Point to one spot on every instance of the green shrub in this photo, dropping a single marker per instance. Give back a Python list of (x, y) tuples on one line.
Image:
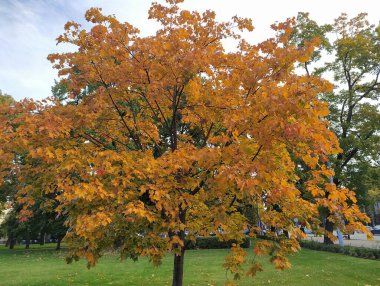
[(212, 242), (362, 252)]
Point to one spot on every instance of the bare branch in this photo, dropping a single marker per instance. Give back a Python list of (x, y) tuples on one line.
[(257, 153), (207, 135)]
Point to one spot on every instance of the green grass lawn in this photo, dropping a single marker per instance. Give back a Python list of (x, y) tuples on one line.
[(44, 266)]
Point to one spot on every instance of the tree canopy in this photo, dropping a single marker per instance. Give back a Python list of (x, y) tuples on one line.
[(162, 136)]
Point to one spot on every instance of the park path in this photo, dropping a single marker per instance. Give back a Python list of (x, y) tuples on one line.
[(357, 240)]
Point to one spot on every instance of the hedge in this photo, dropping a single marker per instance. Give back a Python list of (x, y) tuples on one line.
[(212, 242), (362, 252)]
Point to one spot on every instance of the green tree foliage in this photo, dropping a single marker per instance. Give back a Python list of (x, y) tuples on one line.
[(6, 98), (307, 30), (355, 70)]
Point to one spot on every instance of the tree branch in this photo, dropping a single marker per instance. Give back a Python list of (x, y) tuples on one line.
[(257, 153), (134, 138), (162, 114), (207, 135), (349, 157)]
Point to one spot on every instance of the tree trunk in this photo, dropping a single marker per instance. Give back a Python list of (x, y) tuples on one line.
[(373, 217), (58, 247), (42, 238), (330, 228), (12, 242), (178, 268), (27, 239), (179, 258)]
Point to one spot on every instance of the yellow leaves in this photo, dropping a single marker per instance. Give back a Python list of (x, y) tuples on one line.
[(298, 235), (262, 247), (49, 154), (94, 15), (70, 25), (254, 268), (304, 58), (234, 261), (250, 148), (167, 45), (243, 23), (175, 240), (90, 259), (194, 88), (46, 153), (230, 283), (330, 235), (280, 262), (88, 225), (337, 195), (324, 110), (316, 191), (88, 192), (138, 208), (186, 15), (311, 161), (59, 153), (174, 2)]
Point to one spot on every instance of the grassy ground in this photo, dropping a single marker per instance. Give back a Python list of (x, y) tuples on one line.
[(44, 266)]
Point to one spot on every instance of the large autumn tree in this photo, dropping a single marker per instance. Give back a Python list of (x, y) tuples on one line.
[(173, 132), (354, 45)]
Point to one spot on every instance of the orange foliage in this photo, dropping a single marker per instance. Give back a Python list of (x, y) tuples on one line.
[(175, 133)]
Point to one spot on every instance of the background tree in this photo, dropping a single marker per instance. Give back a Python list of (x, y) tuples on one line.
[(19, 172), (354, 110), (307, 30), (8, 178), (6, 98)]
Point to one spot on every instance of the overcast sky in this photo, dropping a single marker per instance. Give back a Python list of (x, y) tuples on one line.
[(28, 29)]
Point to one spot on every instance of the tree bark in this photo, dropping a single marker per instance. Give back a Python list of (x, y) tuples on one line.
[(42, 238), (27, 240), (12, 242), (58, 247), (178, 268), (330, 228), (179, 258)]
